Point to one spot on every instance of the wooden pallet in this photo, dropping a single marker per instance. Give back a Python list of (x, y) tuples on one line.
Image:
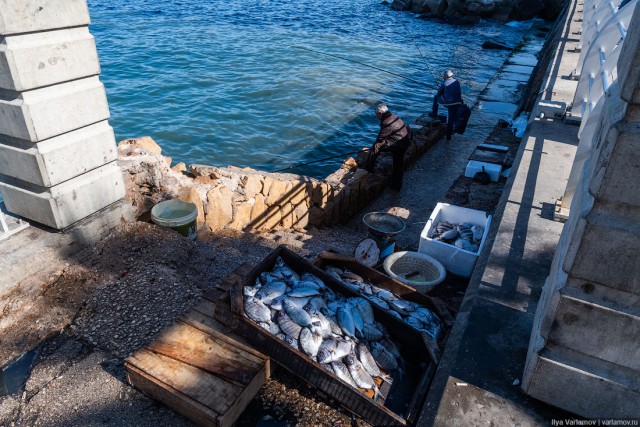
[(198, 368)]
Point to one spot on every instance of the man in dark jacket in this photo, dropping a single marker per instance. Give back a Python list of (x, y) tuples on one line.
[(449, 95), (393, 137)]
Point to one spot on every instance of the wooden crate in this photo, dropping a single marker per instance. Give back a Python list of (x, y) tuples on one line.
[(404, 400), (325, 259), (201, 370)]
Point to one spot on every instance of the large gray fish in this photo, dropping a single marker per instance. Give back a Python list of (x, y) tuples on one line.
[(309, 277), (307, 284), (297, 314), (250, 291), (297, 301), (371, 333), (343, 373), (358, 323), (317, 302), (386, 295), (379, 302), (292, 342), (325, 325), (301, 292), (383, 358), (403, 307), (364, 308), (345, 320), (310, 342), (326, 351), (273, 290), (256, 310), (391, 348), (367, 360), (360, 375), (343, 347), (333, 323), (287, 325)]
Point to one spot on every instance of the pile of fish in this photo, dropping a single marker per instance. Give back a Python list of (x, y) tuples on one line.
[(413, 314), (464, 236), (341, 334)]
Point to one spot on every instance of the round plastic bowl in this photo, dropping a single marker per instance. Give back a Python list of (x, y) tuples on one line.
[(424, 272), (177, 215)]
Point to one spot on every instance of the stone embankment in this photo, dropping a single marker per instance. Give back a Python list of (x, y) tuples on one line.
[(247, 199), (474, 10)]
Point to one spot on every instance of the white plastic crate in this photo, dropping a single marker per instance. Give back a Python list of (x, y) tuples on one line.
[(455, 260)]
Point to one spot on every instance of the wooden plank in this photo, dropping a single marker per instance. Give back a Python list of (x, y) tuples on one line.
[(219, 331), (229, 418), (205, 307), (174, 399), (189, 345), (207, 389)]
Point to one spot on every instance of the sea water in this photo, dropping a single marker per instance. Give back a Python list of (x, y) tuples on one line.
[(227, 82)]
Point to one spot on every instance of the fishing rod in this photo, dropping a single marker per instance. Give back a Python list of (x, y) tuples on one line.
[(435, 79), (320, 160), (361, 63)]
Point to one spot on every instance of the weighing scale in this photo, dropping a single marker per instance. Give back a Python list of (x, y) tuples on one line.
[(380, 242)]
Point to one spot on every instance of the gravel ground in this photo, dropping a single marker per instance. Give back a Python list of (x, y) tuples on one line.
[(121, 293)]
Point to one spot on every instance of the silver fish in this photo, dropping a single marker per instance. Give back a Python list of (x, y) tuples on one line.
[(297, 301), (273, 290), (478, 232), (326, 351), (386, 295), (367, 360), (310, 342), (414, 322), (358, 373), (371, 333), (364, 308), (358, 323), (303, 292), (296, 314), (402, 306), (351, 276), (250, 291), (443, 226), (317, 302), (379, 302), (309, 277), (345, 320), (274, 328), (325, 325), (343, 373), (379, 326), (307, 284), (256, 310), (292, 342), (343, 347), (276, 303), (287, 325), (383, 358), (450, 235), (391, 348)]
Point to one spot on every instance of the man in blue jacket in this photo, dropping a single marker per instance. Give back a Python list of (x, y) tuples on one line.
[(449, 95)]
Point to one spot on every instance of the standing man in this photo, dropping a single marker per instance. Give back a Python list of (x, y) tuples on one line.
[(393, 137), (449, 95)]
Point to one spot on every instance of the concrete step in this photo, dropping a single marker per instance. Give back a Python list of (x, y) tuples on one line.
[(64, 204), (36, 115), (58, 159), (25, 16), (585, 324), (29, 61), (584, 385)]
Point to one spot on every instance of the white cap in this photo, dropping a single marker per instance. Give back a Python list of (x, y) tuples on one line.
[(448, 74)]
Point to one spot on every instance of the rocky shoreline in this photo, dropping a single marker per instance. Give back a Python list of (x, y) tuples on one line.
[(471, 11)]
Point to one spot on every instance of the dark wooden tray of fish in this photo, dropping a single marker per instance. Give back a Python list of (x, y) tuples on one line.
[(400, 405), (381, 280)]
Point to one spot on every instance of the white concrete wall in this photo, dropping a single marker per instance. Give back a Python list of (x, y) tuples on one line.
[(57, 150), (584, 353)]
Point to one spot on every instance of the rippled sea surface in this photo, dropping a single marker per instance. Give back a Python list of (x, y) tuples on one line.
[(225, 82)]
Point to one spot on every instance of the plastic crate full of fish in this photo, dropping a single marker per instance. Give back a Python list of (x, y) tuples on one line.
[(359, 354)]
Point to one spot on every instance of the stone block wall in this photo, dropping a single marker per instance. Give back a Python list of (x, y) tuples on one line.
[(247, 199), (57, 150)]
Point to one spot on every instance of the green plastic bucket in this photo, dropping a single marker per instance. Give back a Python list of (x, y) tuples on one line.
[(177, 215)]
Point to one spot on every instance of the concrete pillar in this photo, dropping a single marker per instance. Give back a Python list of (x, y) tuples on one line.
[(584, 352), (57, 150)]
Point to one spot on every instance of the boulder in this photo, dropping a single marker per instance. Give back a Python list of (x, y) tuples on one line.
[(401, 5), (219, 208), (191, 195), (251, 184), (145, 143)]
